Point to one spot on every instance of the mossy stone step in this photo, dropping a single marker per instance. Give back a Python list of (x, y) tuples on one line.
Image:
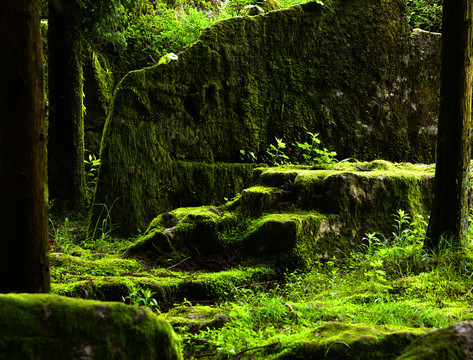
[(365, 194), (260, 199), (293, 240), (168, 284), (194, 318), (449, 343)]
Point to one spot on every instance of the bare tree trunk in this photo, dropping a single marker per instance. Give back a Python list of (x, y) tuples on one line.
[(66, 120), (24, 265), (449, 215)]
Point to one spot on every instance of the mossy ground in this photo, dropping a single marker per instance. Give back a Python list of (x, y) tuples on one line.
[(404, 293), (292, 299)]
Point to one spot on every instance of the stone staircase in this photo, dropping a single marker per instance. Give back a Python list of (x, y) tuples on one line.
[(294, 215)]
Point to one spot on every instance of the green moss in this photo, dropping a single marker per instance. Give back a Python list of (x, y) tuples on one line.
[(53, 327), (98, 89), (156, 245), (195, 318), (80, 265), (104, 78), (168, 286), (112, 278), (277, 176), (220, 285)]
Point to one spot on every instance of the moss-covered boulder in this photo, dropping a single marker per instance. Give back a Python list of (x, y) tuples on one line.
[(366, 199), (259, 199), (293, 240), (53, 327), (215, 239), (336, 341), (341, 70), (451, 343), (186, 232)]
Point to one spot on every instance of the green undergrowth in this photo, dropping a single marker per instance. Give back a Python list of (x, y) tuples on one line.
[(388, 281), (280, 320), (386, 291)]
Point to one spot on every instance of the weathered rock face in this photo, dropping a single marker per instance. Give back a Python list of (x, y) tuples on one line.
[(98, 88), (53, 327), (348, 70), (424, 88)]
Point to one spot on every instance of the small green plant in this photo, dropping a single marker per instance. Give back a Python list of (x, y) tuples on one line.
[(143, 298), (377, 276), (408, 231), (313, 155), (166, 59), (399, 255), (61, 236), (402, 227), (103, 229), (278, 157), (92, 164), (247, 156), (258, 8), (308, 153)]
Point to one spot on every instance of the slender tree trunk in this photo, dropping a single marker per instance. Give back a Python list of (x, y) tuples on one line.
[(449, 215), (66, 121), (24, 265)]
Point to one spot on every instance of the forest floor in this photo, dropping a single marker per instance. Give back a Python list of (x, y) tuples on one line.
[(381, 291)]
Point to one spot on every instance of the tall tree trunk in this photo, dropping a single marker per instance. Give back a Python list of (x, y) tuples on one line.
[(449, 214), (66, 121), (24, 265)]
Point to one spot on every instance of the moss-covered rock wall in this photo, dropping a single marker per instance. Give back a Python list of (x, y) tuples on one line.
[(423, 80), (99, 84), (342, 70)]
